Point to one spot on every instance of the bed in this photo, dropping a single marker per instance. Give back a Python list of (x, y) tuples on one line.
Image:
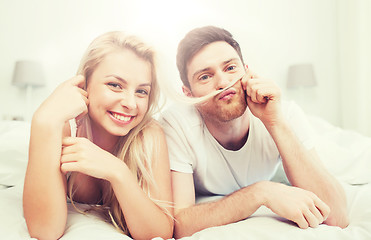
[(347, 154)]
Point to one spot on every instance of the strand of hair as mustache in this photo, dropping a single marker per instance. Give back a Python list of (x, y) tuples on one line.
[(197, 100)]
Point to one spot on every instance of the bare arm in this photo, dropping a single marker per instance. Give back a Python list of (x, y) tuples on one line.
[(305, 170), (44, 195), (303, 167), (191, 218), (80, 155), (295, 204)]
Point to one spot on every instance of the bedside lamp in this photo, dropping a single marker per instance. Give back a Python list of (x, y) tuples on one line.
[(301, 75), (28, 74), (301, 83)]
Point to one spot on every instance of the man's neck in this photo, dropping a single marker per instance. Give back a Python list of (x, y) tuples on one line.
[(231, 135)]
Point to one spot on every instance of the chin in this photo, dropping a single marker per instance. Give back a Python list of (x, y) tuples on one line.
[(121, 133), (224, 112)]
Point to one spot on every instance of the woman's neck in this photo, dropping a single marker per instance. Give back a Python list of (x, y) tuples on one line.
[(107, 142), (103, 139)]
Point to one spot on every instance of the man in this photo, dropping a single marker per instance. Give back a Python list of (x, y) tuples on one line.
[(232, 144)]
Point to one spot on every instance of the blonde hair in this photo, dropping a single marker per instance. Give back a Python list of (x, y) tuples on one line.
[(136, 148)]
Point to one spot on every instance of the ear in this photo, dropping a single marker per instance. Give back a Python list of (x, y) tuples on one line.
[(187, 91)]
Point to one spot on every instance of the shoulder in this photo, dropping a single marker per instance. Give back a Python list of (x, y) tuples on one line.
[(180, 117), (154, 141), (153, 134), (179, 110), (153, 128)]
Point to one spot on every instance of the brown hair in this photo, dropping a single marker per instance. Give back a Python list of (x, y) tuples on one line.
[(195, 40)]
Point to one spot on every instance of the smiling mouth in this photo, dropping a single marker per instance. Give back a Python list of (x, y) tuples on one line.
[(120, 117)]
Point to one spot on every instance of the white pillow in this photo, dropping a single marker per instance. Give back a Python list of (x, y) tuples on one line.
[(14, 141)]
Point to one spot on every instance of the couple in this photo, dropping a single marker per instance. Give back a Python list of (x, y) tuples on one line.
[(117, 159)]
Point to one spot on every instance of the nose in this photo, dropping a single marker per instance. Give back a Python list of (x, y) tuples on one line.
[(223, 80), (128, 101)]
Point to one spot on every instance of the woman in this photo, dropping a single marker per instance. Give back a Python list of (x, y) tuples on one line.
[(118, 161)]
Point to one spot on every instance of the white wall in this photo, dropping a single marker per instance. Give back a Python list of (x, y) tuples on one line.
[(273, 34), (354, 31)]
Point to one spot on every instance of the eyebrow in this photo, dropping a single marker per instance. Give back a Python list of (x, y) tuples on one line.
[(230, 60), (200, 71), (125, 82), (208, 68)]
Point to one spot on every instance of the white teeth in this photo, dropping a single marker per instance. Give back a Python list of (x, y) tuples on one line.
[(121, 118)]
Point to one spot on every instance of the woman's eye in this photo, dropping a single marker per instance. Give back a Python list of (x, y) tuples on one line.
[(142, 92), (114, 85)]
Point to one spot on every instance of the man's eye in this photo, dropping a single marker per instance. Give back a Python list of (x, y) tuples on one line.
[(230, 68), (204, 77)]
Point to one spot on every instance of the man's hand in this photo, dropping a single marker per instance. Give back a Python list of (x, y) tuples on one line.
[(298, 205), (263, 98)]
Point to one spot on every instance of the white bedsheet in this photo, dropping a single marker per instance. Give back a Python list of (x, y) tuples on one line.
[(346, 154), (263, 224)]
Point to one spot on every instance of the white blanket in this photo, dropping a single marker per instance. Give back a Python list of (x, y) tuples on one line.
[(346, 154)]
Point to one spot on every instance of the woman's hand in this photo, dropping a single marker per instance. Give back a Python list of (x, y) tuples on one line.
[(81, 155), (69, 100), (263, 98)]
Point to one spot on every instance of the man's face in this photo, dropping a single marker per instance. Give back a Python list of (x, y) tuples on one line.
[(211, 69)]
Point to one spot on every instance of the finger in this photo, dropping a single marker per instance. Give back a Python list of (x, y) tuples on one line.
[(68, 158), (322, 207), (317, 214), (244, 81), (251, 92), (250, 103), (83, 92), (86, 100), (250, 83), (262, 95), (265, 93), (78, 81), (68, 141), (252, 75), (311, 219), (253, 88), (301, 221), (69, 149), (248, 75), (69, 167), (84, 110)]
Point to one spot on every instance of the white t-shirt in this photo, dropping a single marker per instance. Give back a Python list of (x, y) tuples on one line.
[(216, 170)]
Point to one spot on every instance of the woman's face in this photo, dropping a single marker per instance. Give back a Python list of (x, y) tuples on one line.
[(118, 92)]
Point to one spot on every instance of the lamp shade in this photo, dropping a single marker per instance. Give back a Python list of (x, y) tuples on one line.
[(28, 73), (301, 75)]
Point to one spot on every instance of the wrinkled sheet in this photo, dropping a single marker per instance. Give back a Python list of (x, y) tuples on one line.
[(346, 154)]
